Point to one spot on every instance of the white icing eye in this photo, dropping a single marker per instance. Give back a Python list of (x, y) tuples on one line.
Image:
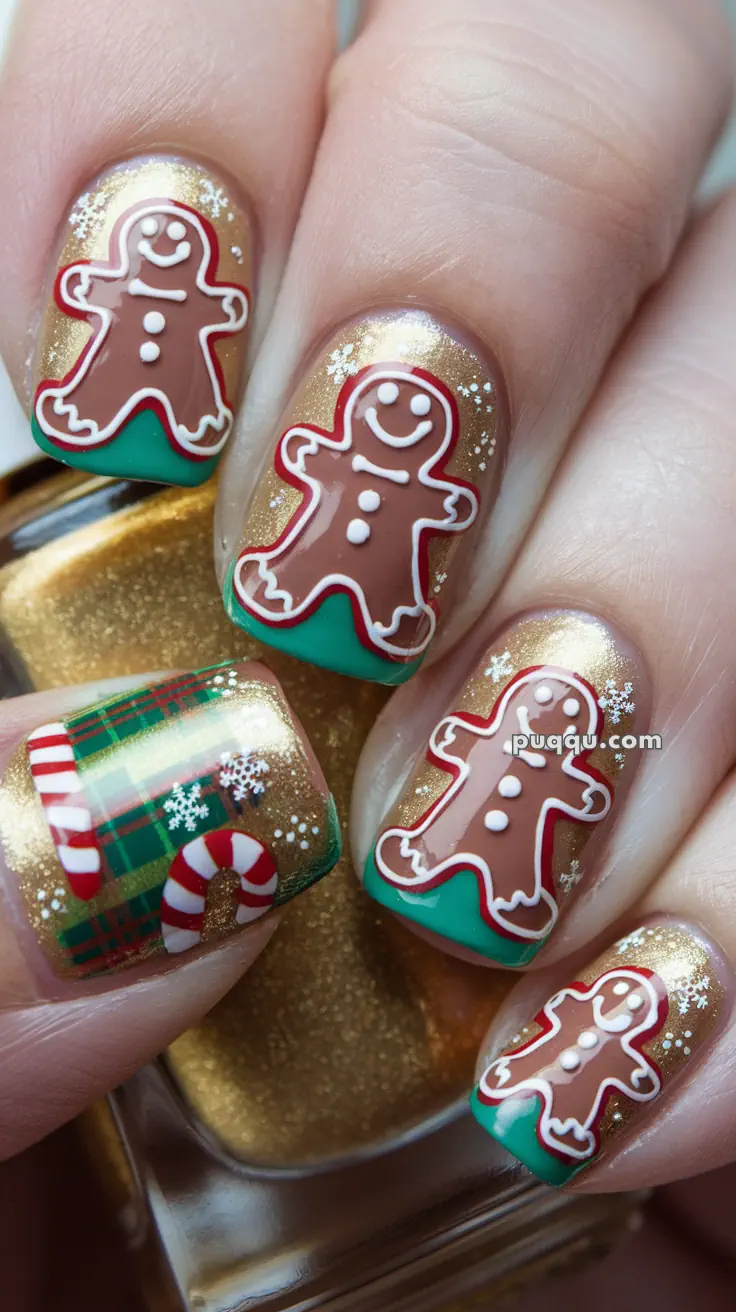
[(635, 1002), (369, 500), (149, 227), (176, 230), (149, 352), (510, 786), (588, 1039), (154, 322), (621, 988), (569, 1059), (358, 532), (388, 393), (571, 706), (543, 694), (420, 404), (496, 821)]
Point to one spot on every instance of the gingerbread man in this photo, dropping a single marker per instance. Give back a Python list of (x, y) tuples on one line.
[(375, 493), (497, 817), (588, 1050), (157, 313)]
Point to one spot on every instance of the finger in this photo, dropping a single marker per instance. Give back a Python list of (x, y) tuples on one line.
[(632, 1094), (143, 841), (523, 175), (136, 279), (656, 450)]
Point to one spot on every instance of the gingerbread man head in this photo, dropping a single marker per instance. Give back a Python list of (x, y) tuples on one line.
[(625, 1002), (158, 236), (396, 416)]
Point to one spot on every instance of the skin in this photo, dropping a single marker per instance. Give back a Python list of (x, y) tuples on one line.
[(531, 173)]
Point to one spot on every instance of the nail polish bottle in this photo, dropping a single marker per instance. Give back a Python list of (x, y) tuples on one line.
[(309, 1143)]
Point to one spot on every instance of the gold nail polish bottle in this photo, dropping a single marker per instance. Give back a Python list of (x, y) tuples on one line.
[(309, 1143)]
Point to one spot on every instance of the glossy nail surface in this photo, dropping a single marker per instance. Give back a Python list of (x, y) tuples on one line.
[(604, 1049), (389, 452), (140, 360), (495, 830), (164, 819)]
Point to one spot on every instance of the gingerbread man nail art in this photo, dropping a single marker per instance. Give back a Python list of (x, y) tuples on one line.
[(145, 392), (369, 504)]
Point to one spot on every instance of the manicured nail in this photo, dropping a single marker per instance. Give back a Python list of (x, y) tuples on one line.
[(501, 819), (580, 1076), (142, 343), (388, 455), (164, 819)]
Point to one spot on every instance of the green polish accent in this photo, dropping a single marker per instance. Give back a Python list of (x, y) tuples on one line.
[(513, 1124), (327, 638), (140, 451), (452, 910)]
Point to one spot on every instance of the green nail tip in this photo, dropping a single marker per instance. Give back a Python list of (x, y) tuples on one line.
[(513, 1124), (140, 451), (327, 638), (453, 910)]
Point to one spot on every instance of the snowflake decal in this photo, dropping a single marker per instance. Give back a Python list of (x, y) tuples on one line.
[(479, 393), (691, 991), (87, 215), (213, 199), (633, 940), (341, 366), (242, 774), (617, 701), (185, 807), (570, 877), (499, 667)]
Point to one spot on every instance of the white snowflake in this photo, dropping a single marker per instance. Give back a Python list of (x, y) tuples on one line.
[(569, 878), (499, 667), (633, 940), (297, 833), (226, 684), (213, 199), (57, 902), (185, 808), (669, 1041), (479, 393), (341, 365), (242, 773), (617, 701), (237, 252), (691, 991), (87, 215)]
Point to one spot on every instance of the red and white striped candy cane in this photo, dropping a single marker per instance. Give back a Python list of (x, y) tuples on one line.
[(51, 758), (185, 891)]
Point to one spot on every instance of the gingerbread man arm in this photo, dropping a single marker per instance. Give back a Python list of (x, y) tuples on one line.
[(84, 287), (460, 507), (234, 309)]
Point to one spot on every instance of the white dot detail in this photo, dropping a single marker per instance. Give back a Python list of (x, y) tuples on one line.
[(420, 404), (496, 821), (635, 1002), (357, 532), (569, 1059), (176, 231), (149, 227), (509, 786), (588, 1039), (543, 695), (571, 706), (369, 500), (388, 393), (149, 352), (154, 322), (621, 988)]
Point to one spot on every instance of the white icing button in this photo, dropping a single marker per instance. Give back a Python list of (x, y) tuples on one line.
[(358, 532), (369, 500), (635, 1002), (149, 352), (621, 988), (571, 706), (176, 230), (496, 821), (543, 694), (154, 321), (421, 404), (588, 1039), (149, 227), (509, 786), (388, 393), (569, 1059)]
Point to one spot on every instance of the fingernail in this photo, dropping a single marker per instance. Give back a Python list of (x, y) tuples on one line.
[(587, 1069), (388, 456), (500, 822), (164, 819), (140, 360)]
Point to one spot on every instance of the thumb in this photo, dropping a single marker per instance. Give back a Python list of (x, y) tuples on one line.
[(145, 839)]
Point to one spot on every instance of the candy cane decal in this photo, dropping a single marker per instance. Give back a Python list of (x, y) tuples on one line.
[(184, 900), (51, 759)]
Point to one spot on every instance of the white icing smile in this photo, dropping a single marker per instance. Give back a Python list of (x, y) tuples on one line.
[(391, 439), (182, 253)]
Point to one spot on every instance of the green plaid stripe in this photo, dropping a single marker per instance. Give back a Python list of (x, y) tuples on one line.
[(122, 718), (144, 833), (104, 940)]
